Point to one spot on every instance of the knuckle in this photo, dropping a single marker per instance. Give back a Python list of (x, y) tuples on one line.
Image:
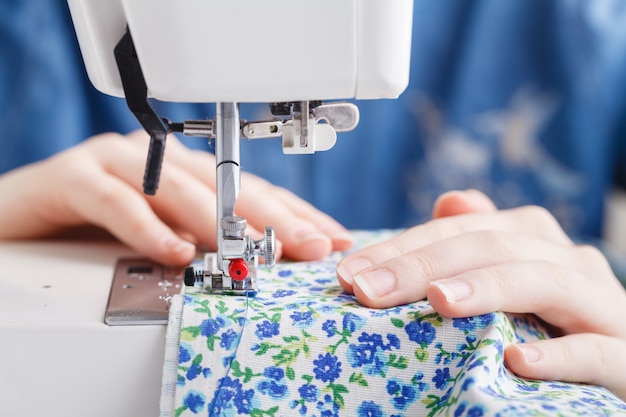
[(444, 228), (560, 280), (558, 274), (261, 185), (427, 266), (591, 255), (138, 136), (594, 359), (537, 213), (107, 199), (599, 351), (107, 194), (567, 354), (68, 166), (387, 250), (107, 140), (393, 249), (590, 252), (498, 243), (503, 283), (542, 219), (268, 187), (499, 281), (585, 358), (206, 158), (173, 178), (138, 225)]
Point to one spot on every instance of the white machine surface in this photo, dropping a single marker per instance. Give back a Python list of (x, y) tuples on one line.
[(57, 357)]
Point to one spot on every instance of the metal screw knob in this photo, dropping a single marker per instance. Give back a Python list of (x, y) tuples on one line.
[(265, 247), (233, 225), (269, 246)]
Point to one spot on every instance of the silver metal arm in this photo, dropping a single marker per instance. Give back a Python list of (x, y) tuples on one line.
[(233, 246), (228, 173), (227, 158)]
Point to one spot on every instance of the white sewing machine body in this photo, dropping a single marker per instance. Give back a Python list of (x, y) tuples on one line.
[(213, 51)]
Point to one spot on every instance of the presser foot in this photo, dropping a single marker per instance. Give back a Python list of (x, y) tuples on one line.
[(233, 269), (208, 279), (142, 290)]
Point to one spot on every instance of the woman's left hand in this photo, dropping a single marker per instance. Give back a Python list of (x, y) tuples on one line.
[(472, 259)]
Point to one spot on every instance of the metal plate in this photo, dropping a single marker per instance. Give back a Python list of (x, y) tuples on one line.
[(141, 292)]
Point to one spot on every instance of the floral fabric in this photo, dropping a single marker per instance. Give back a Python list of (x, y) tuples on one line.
[(303, 347)]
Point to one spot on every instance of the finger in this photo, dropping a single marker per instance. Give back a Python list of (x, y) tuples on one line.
[(304, 231), (340, 236), (585, 358), (109, 202), (524, 220), (553, 292), (200, 164), (406, 278), (298, 224), (182, 201), (187, 203), (454, 203)]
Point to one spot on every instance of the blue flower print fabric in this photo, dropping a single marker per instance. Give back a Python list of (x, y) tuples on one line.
[(303, 347)]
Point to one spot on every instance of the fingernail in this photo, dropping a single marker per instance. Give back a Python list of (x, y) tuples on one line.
[(347, 270), (376, 283), (345, 239), (315, 242), (184, 246), (306, 234), (343, 236), (453, 289), (531, 354), (176, 245)]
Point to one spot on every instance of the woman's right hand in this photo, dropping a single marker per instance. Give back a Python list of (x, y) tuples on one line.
[(99, 182)]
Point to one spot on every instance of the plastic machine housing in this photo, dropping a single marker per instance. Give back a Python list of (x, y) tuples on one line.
[(251, 50)]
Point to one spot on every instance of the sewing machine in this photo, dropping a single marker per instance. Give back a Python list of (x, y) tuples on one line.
[(294, 55)]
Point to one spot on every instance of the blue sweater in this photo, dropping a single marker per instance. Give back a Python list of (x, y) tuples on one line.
[(523, 99)]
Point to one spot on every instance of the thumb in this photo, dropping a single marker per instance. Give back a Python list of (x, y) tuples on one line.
[(582, 358)]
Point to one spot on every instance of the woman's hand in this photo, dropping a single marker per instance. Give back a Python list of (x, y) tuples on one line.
[(472, 259), (99, 182)]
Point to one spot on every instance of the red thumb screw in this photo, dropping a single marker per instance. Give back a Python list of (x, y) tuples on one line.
[(238, 269)]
